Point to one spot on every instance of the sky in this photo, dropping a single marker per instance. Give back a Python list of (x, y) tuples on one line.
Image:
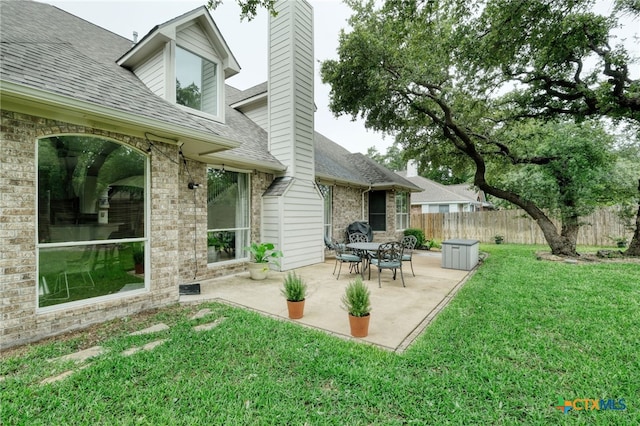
[(248, 42)]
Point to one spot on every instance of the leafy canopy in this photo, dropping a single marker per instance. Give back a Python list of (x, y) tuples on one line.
[(453, 80)]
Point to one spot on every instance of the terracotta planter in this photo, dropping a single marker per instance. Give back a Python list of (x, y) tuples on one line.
[(359, 325), (258, 271), (296, 309), (139, 268)]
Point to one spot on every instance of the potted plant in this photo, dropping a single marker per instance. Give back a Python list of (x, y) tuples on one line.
[(295, 291), (498, 239), (356, 301), (138, 258), (214, 247), (263, 255)]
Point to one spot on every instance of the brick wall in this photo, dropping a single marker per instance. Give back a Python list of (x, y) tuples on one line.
[(20, 320), (259, 183), (348, 208)]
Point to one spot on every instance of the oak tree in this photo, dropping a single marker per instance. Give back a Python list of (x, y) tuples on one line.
[(456, 79)]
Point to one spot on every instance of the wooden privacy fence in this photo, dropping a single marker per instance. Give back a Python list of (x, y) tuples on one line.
[(516, 227)]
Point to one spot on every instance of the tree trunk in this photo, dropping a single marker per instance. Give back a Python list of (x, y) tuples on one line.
[(561, 244), (634, 245)]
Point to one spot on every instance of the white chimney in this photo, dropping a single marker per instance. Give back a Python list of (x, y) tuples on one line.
[(292, 206), (412, 168), (291, 78)]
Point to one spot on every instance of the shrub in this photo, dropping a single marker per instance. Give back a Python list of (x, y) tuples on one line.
[(416, 233)]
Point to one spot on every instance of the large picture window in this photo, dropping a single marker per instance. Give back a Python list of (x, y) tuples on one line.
[(196, 82), (228, 217), (378, 210), (91, 218), (402, 210)]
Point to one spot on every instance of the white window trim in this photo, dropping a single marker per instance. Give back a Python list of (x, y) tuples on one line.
[(249, 174), (146, 239), (220, 117), (405, 213)]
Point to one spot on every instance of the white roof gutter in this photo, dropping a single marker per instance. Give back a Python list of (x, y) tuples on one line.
[(38, 102)]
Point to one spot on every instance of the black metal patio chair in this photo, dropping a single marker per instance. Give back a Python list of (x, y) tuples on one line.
[(409, 244), (389, 256), (344, 256)]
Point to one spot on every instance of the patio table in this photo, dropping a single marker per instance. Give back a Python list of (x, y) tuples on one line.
[(365, 249)]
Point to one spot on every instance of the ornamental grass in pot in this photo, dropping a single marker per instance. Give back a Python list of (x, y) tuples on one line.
[(295, 291), (357, 302)]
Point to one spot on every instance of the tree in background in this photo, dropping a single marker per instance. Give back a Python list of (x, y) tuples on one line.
[(188, 96), (248, 8), (392, 159), (434, 168), (455, 79), (574, 181)]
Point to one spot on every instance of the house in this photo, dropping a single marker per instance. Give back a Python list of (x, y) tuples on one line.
[(438, 198), (122, 161)]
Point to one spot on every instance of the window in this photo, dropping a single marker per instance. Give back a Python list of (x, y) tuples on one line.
[(378, 210), (228, 218), (443, 208), (91, 218), (402, 210), (327, 193), (196, 82)]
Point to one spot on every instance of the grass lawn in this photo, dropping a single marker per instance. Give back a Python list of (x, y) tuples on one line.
[(521, 334)]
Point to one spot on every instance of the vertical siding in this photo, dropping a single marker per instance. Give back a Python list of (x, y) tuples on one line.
[(152, 73)]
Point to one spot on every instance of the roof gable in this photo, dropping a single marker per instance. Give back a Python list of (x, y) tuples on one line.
[(170, 30), (65, 67)]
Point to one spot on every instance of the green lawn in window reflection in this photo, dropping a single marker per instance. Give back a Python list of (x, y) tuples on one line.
[(91, 271)]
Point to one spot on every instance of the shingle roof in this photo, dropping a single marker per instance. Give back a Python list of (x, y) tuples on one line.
[(45, 48), (74, 58), (434, 192), (236, 95), (332, 161), (335, 162), (77, 59), (278, 187)]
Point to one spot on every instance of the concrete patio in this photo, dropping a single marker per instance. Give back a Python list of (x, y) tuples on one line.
[(398, 314)]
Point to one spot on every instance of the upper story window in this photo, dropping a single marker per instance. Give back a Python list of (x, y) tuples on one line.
[(196, 82)]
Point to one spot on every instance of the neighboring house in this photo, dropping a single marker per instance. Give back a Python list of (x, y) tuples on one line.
[(438, 198), (117, 155)]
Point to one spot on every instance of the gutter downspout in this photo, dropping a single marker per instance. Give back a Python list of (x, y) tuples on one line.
[(362, 201)]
